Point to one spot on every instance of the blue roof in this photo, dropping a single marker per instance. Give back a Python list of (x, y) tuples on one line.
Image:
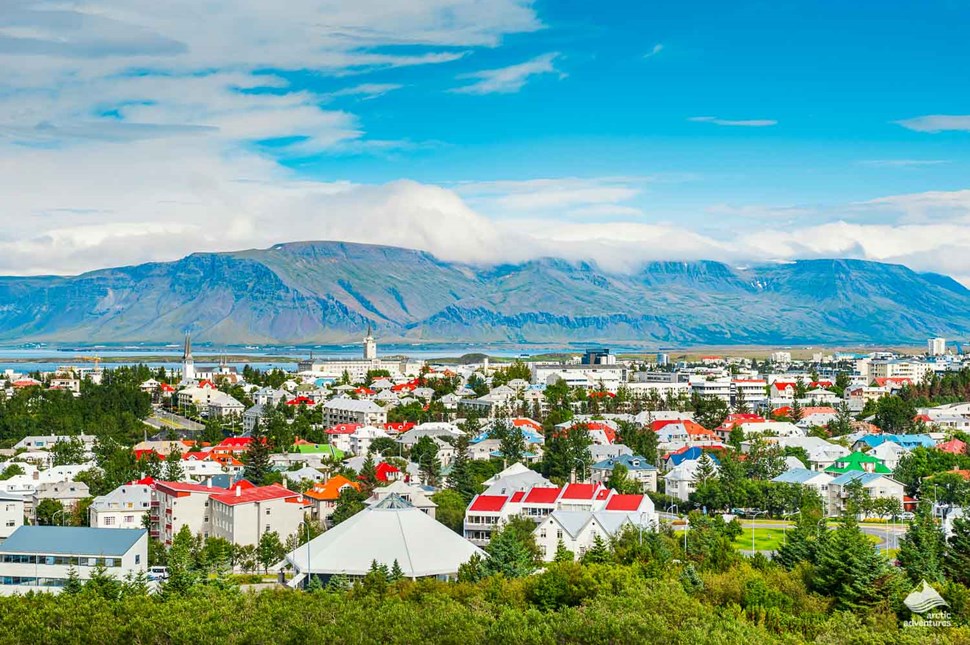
[(689, 454), (853, 475), (626, 460), (905, 440), (71, 540), (796, 476)]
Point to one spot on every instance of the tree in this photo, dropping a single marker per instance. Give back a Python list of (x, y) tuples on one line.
[(368, 475), (709, 411), (396, 572), (705, 469), (567, 452), (460, 478), (620, 481), (956, 559), (48, 510), (796, 413), (511, 441), (563, 554), (512, 552), (451, 509), (258, 466), (103, 584), (349, 503), (842, 423), (73, 584), (850, 569), (182, 574), (922, 549), (173, 467), (895, 415), (269, 550), (642, 441), (598, 553), (68, 452)]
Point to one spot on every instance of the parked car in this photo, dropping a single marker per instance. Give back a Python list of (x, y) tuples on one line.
[(907, 516), (158, 574)]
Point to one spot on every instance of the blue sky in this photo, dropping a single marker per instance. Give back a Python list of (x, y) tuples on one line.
[(487, 131)]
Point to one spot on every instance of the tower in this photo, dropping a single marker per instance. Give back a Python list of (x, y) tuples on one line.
[(188, 364), (370, 346)]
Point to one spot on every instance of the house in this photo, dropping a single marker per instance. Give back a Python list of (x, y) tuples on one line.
[(416, 495), (68, 493), (876, 485), (222, 405), (682, 480), (362, 438), (339, 411), (40, 558), (783, 390), (123, 508), (11, 514), (889, 453), (323, 497), (954, 447), (46, 442), (243, 514), (638, 470), (578, 530), (390, 531), (813, 479), (771, 428), (858, 462), (515, 478)]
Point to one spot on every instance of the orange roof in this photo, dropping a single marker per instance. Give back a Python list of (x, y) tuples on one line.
[(330, 489)]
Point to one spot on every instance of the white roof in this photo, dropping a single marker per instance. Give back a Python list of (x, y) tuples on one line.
[(390, 530)]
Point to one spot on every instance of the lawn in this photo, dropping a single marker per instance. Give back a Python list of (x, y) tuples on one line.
[(768, 539)]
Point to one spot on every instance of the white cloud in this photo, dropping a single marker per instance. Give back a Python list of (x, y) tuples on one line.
[(509, 79), (576, 196), (937, 123), (742, 123), (656, 50), (367, 90)]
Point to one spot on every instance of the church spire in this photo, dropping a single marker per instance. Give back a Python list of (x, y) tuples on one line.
[(187, 351)]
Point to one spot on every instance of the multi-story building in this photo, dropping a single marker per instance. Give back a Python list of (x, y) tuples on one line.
[(578, 530), (638, 469), (11, 514), (40, 558), (123, 508), (178, 504), (350, 411), (875, 485), (242, 516)]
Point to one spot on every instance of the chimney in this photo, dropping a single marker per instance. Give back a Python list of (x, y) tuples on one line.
[(208, 483), (238, 490)]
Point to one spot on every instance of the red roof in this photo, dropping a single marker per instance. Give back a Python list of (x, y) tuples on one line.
[(410, 386), (206, 383), (145, 453), (400, 427), (255, 494), (822, 384), (365, 390), (624, 502), (542, 495), (893, 380), (184, 487), (601, 395), (165, 387), (144, 481), (488, 503), (783, 411), (580, 491), (783, 385), (344, 428), (235, 442), (384, 470), (301, 400), (954, 446), (518, 495), (525, 421)]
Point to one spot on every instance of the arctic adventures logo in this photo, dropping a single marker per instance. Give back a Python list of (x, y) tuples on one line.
[(923, 600)]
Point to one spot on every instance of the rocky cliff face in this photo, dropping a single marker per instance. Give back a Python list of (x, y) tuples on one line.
[(325, 292)]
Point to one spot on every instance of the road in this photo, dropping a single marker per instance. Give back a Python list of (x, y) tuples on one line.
[(162, 420)]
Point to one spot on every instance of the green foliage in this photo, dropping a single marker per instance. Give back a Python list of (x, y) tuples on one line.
[(68, 452), (512, 550), (851, 570), (50, 511), (709, 411), (567, 451), (895, 414), (256, 458), (349, 503), (270, 550), (511, 441), (451, 509), (956, 560), (921, 549), (173, 467), (642, 441)]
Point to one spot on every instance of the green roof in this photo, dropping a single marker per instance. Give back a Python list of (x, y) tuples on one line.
[(856, 462), (317, 449)]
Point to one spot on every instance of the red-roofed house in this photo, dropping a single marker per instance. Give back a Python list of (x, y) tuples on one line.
[(602, 434), (893, 382), (627, 503), (243, 515), (953, 446), (178, 504), (232, 446), (340, 435), (386, 472), (783, 390)]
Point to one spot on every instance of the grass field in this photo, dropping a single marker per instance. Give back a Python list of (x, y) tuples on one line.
[(769, 539)]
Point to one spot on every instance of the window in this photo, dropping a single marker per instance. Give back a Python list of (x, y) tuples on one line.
[(559, 534), (138, 558), (129, 519), (268, 510), (109, 521)]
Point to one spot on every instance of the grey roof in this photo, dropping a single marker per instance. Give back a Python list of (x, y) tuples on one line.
[(797, 476), (71, 540), (853, 475)]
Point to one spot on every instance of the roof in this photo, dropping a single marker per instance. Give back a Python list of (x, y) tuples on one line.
[(182, 487), (384, 469), (255, 494), (542, 495), (798, 476), (488, 503), (855, 475), (330, 489), (579, 491), (632, 462), (71, 540), (388, 531), (624, 502)]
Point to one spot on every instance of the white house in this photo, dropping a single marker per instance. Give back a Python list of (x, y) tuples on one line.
[(39, 558), (11, 514), (578, 530), (874, 484), (122, 508), (243, 516)]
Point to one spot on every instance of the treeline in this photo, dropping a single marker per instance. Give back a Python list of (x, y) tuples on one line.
[(640, 588), (113, 408)]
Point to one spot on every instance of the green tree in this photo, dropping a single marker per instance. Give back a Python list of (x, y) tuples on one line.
[(103, 584), (511, 441), (269, 551), (73, 585), (956, 559), (895, 415), (642, 441), (68, 452), (182, 574), (598, 553), (48, 510), (512, 551), (567, 452), (461, 479), (620, 481), (173, 467), (451, 509), (850, 569), (349, 503), (563, 554), (709, 411), (921, 550), (258, 466)]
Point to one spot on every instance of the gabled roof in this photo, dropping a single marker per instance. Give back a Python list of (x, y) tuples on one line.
[(855, 475), (624, 502), (580, 491), (542, 495), (255, 494), (488, 503), (330, 489), (799, 476)]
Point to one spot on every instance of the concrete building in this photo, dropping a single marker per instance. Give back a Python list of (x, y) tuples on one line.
[(39, 558), (936, 346), (11, 514), (242, 516), (122, 508), (178, 504), (353, 411)]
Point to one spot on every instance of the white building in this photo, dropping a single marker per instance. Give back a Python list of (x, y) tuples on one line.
[(11, 514), (122, 508), (349, 411), (357, 368), (40, 558), (875, 485), (178, 504), (936, 346), (578, 530), (242, 516)]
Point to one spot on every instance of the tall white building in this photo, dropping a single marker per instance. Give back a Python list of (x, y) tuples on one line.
[(370, 345), (936, 346), (188, 363)]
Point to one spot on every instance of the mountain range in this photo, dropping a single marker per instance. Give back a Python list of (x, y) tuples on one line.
[(328, 292)]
